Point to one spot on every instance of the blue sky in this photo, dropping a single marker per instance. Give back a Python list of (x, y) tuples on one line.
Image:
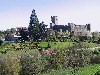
[(16, 13)]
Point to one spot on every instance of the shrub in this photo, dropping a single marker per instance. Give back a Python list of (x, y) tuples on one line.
[(75, 60), (96, 52), (77, 57), (98, 49), (97, 73), (53, 61), (59, 59), (1, 42), (95, 60), (2, 66), (31, 63), (9, 66)]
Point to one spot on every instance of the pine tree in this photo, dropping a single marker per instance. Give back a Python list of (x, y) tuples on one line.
[(34, 31), (43, 31)]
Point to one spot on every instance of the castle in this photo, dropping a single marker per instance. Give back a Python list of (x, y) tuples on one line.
[(83, 30)]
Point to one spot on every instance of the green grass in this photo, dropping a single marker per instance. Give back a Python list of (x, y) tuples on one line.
[(88, 70), (89, 45), (56, 44), (93, 44), (42, 44), (57, 72)]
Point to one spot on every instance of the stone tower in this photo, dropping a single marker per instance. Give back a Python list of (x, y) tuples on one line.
[(54, 20)]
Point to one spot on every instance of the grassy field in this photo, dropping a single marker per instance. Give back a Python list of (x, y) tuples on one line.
[(88, 70), (41, 44), (67, 44), (54, 45)]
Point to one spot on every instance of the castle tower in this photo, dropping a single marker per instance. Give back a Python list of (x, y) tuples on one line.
[(89, 27), (54, 20)]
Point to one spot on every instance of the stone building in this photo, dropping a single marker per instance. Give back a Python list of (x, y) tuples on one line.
[(54, 25), (83, 30)]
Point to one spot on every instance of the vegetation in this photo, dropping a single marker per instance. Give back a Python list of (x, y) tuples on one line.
[(1, 42), (70, 59), (88, 70), (41, 51), (23, 35), (36, 31)]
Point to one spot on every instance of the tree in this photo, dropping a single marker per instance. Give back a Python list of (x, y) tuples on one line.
[(1, 34), (95, 36), (8, 37), (98, 41), (24, 35), (52, 36), (34, 31), (97, 73), (43, 31)]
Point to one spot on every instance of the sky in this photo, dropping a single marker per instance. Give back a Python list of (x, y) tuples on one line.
[(16, 13)]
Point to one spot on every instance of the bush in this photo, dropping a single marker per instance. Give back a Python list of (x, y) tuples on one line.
[(53, 61), (97, 73), (21, 63), (75, 60), (9, 66), (96, 52), (98, 49), (95, 60), (1, 42), (2, 66), (68, 57), (31, 63), (77, 57)]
